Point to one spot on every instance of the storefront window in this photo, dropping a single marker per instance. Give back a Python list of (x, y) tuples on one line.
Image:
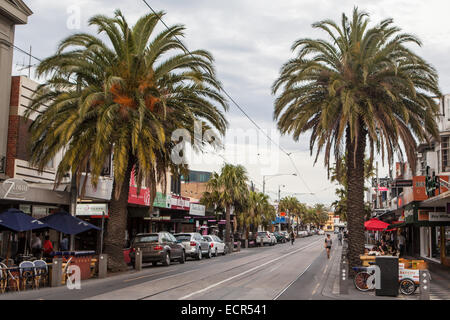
[(436, 242), (447, 241)]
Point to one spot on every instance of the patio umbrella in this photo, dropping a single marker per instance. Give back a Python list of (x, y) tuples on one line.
[(17, 221), (375, 225), (66, 223)]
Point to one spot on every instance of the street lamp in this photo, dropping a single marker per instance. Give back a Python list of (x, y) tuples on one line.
[(275, 175)]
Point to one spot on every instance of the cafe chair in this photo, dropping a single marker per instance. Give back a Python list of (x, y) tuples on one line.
[(40, 272), (10, 262), (6, 277), (26, 272)]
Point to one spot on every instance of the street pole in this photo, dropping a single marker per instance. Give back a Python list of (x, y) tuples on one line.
[(73, 206), (378, 186)]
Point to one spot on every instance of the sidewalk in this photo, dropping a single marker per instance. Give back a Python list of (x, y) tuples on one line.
[(439, 288)]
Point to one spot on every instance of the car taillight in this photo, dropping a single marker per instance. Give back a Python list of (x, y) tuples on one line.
[(158, 248), (132, 250), (212, 245), (193, 243)]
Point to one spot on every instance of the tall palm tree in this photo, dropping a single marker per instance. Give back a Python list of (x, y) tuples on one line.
[(123, 97), (258, 212), (291, 205), (364, 87), (227, 190)]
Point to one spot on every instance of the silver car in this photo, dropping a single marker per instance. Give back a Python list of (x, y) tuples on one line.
[(265, 237), (195, 245)]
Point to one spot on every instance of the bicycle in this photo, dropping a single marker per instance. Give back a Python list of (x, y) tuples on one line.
[(365, 280)]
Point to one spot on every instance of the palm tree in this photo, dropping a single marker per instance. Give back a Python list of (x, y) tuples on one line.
[(365, 87), (227, 190), (122, 98), (292, 206)]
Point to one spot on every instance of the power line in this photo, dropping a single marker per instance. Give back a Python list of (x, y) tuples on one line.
[(234, 102)]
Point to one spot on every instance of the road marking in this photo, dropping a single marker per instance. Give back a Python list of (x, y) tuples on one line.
[(290, 284), (245, 272), (326, 268), (315, 289)]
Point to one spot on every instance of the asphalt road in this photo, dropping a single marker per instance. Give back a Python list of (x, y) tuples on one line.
[(284, 272)]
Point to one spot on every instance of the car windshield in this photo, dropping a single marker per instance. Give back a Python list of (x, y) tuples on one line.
[(262, 234), (146, 238), (183, 237)]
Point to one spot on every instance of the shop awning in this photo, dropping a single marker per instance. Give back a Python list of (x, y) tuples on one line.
[(66, 223), (16, 220), (375, 225)]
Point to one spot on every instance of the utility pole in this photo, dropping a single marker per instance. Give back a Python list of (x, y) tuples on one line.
[(377, 190)]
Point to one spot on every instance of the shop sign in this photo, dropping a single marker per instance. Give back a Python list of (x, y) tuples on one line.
[(143, 198), (162, 218), (197, 209), (179, 203), (92, 209), (438, 217), (14, 189), (422, 215)]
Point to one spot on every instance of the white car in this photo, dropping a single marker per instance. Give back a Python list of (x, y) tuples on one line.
[(274, 239), (217, 245), (321, 232), (303, 234), (265, 237)]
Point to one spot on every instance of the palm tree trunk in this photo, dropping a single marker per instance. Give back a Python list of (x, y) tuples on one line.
[(228, 225), (117, 223), (355, 199)]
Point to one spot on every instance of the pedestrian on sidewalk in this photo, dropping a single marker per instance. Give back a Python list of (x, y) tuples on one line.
[(401, 244), (292, 237), (340, 238), (328, 243)]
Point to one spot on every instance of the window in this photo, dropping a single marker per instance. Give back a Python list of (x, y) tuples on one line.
[(445, 146), (447, 241), (149, 238), (175, 185)]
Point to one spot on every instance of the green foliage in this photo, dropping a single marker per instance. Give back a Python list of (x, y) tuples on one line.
[(123, 97)]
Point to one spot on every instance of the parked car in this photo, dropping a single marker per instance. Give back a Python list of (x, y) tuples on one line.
[(274, 239), (265, 236), (280, 237), (216, 244), (303, 233), (157, 247), (286, 235), (195, 245), (336, 231), (321, 232)]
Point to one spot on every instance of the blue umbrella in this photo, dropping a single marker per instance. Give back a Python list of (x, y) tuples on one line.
[(16, 220), (66, 223)]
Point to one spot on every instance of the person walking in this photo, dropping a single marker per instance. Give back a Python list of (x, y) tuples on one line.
[(340, 238), (328, 243), (401, 243), (292, 237)]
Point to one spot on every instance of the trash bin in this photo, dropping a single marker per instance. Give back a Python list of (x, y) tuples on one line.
[(389, 276)]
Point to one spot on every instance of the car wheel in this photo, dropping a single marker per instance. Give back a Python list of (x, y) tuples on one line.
[(183, 257), (209, 255), (166, 259), (199, 254), (215, 253)]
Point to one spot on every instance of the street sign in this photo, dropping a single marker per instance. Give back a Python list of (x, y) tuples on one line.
[(282, 214), (402, 183)]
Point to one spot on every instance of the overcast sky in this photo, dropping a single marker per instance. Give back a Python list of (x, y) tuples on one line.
[(250, 40)]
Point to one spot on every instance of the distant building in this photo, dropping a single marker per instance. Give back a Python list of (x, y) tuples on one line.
[(329, 225)]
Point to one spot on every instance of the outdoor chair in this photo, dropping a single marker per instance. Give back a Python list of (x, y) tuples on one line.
[(26, 272), (40, 272), (6, 277), (10, 262)]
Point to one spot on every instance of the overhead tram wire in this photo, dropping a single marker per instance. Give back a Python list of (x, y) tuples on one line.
[(235, 103)]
